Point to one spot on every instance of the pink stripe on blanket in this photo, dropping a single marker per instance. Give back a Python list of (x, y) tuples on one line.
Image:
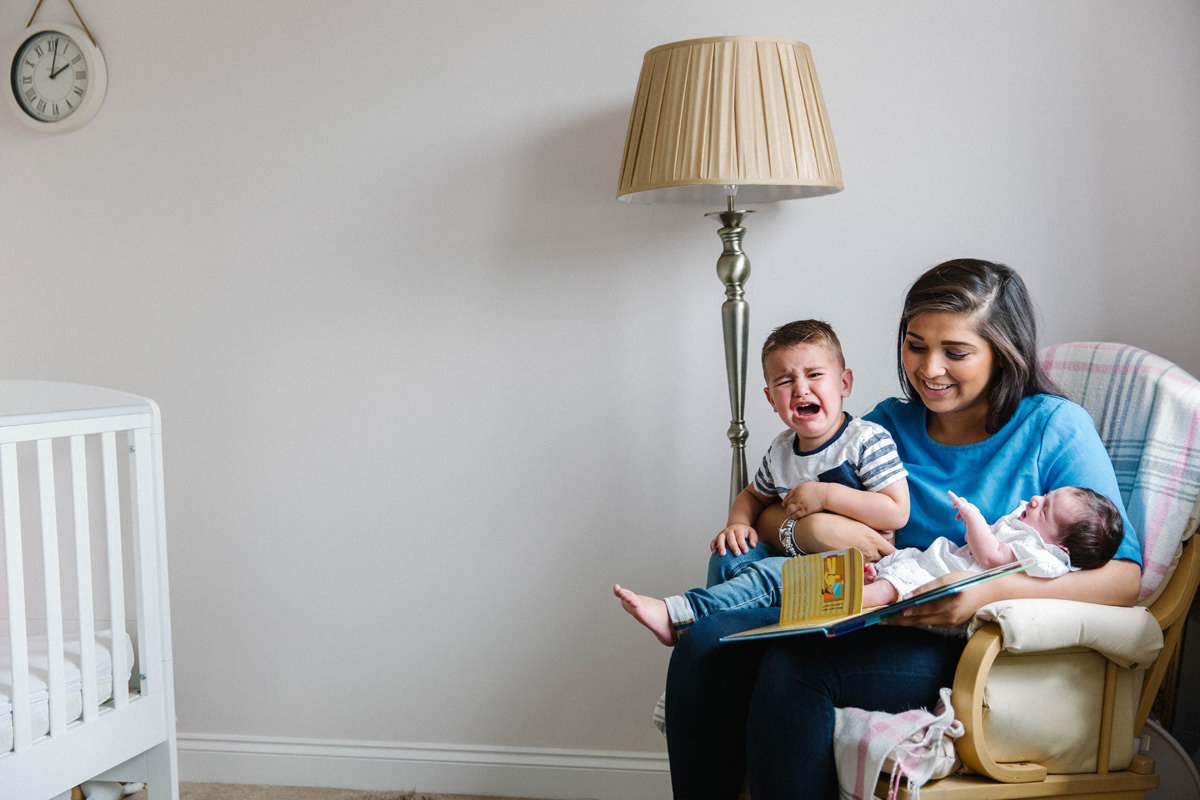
[(863, 745), (896, 727), (881, 725)]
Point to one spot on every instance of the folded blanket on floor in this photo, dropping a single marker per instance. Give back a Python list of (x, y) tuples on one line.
[(915, 746)]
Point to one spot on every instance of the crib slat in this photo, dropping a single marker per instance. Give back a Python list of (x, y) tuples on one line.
[(56, 678), (83, 579), (146, 556), (116, 568), (10, 495)]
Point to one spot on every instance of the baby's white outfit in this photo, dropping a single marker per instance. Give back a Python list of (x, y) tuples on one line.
[(911, 568)]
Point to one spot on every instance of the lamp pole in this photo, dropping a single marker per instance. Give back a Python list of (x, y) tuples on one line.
[(733, 268)]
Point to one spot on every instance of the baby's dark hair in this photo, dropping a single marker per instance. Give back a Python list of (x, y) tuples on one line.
[(1092, 540), (804, 331)]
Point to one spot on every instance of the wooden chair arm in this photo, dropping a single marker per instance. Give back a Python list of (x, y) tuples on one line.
[(967, 698)]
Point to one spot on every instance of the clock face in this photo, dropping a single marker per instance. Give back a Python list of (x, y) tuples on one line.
[(58, 78)]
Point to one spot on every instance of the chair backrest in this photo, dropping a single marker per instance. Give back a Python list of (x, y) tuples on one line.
[(1147, 411)]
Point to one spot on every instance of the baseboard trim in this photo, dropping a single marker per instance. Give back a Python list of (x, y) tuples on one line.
[(448, 769)]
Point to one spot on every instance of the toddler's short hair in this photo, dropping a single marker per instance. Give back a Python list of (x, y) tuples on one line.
[(803, 331), (1092, 540)]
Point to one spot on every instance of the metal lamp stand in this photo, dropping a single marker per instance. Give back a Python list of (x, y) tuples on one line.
[(733, 268)]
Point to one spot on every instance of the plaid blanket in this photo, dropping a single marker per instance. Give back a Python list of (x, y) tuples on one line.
[(914, 746), (1147, 411)]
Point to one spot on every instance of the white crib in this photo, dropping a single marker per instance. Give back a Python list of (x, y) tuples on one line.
[(88, 689)]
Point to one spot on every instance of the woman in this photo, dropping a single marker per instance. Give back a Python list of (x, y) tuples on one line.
[(980, 417)]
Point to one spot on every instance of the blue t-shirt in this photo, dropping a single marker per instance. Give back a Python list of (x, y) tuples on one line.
[(1049, 442)]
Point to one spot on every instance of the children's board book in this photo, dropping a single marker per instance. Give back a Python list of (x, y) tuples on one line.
[(822, 592)]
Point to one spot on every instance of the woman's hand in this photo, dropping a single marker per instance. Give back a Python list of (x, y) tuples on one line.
[(738, 538)]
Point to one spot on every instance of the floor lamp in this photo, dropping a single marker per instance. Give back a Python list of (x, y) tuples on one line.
[(726, 120)]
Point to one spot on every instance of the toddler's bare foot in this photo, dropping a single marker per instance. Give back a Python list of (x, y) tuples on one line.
[(650, 611)]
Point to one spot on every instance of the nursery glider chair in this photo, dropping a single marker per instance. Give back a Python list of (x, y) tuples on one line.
[(1053, 694)]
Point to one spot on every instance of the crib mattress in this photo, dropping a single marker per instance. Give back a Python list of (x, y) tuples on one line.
[(39, 693)]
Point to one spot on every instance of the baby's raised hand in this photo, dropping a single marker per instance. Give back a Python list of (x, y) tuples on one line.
[(739, 538), (981, 540), (967, 511)]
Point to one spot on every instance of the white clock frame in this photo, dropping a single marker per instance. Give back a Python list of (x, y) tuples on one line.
[(97, 85)]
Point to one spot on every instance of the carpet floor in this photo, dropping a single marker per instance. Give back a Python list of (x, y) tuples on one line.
[(228, 791)]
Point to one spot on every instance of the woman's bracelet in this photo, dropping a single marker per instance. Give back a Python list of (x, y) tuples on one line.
[(788, 540)]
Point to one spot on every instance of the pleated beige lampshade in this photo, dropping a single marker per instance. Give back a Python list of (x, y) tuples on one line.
[(742, 111)]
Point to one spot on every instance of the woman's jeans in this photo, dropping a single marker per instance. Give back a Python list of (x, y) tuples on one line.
[(766, 708)]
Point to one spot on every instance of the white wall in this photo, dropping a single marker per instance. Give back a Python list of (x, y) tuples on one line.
[(429, 389)]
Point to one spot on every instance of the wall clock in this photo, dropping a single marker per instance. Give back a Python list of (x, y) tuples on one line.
[(58, 77)]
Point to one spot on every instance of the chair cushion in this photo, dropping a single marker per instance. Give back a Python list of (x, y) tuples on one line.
[(1129, 636), (1020, 690)]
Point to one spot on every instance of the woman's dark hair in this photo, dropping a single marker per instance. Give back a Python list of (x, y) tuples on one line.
[(995, 299), (1092, 540)]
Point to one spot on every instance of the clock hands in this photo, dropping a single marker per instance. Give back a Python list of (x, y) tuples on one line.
[(54, 73)]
